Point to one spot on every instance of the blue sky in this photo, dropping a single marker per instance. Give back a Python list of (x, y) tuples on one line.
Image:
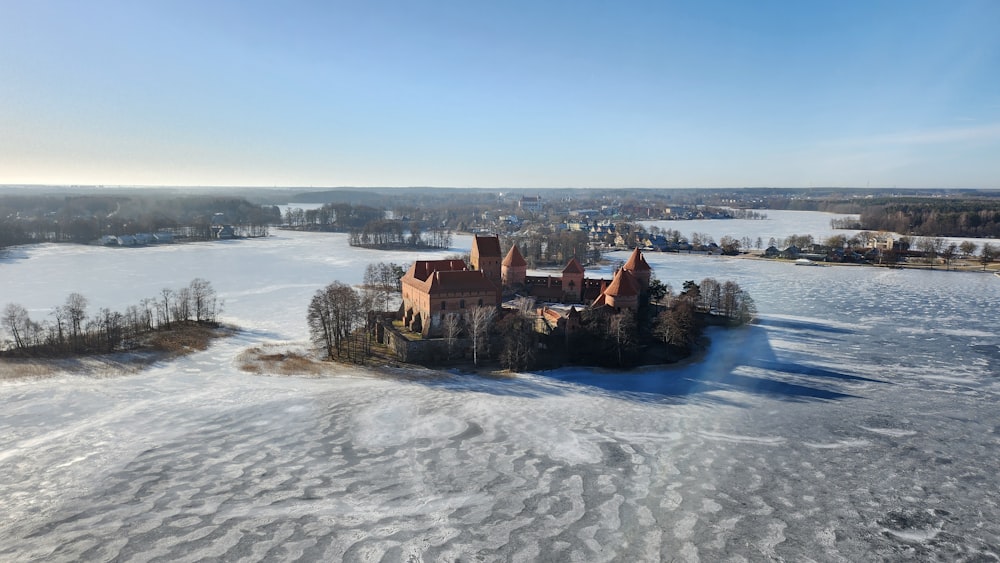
[(501, 94)]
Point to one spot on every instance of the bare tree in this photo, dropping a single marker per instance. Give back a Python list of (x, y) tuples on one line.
[(76, 311), (148, 312), (987, 254), (204, 301), (320, 320), (622, 336), (967, 247), (948, 254), (480, 320), (710, 293), (383, 279), (747, 310), (678, 325), (59, 328), (452, 326), (524, 305), (109, 326), (16, 321), (519, 339), (163, 310), (181, 308), (729, 301)]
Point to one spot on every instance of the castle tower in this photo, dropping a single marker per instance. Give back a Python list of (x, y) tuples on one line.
[(513, 269), (485, 257), (572, 281), (640, 270), (622, 293)]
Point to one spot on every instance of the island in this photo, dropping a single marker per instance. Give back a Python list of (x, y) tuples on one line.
[(491, 310)]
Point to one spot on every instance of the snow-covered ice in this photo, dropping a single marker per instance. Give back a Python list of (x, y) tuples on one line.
[(856, 422)]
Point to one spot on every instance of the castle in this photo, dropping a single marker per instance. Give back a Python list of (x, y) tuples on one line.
[(431, 289)]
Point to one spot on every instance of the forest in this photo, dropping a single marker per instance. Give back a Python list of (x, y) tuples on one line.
[(84, 218), (933, 217)]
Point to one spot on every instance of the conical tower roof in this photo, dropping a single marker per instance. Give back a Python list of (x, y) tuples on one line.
[(573, 267), (636, 263), (514, 258), (623, 285)]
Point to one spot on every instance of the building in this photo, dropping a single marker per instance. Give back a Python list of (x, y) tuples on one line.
[(434, 288), (622, 294), (514, 268), (531, 204), (486, 257), (639, 268), (572, 281)]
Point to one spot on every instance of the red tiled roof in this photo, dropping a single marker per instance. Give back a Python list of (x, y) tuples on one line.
[(486, 246), (573, 267), (623, 285), (422, 269), (551, 315), (636, 263), (514, 258), (461, 281)]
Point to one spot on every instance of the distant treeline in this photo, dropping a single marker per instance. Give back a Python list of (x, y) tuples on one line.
[(846, 206), (341, 217), (70, 331), (26, 219), (369, 227), (934, 217), (920, 216), (747, 214)]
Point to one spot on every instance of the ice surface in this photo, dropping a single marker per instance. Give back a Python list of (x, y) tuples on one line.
[(856, 422)]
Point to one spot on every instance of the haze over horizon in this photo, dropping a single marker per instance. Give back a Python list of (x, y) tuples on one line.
[(519, 95)]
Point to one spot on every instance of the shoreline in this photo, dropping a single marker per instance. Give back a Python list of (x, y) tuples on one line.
[(114, 364)]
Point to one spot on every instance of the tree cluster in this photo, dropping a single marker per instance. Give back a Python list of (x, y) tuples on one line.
[(71, 331), (519, 345), (606, 338), (335, 316), (474, 327), (383, 280), (387, 233), (934, 217), (682, 323), (333, 217)]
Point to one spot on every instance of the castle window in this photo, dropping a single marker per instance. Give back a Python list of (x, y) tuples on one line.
[(444, 305), (461, 304), (480, 302)]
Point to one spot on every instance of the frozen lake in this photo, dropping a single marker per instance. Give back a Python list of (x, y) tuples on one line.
[(856, 422), (779, 224)]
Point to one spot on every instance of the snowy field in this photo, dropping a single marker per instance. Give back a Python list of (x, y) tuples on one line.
[(856, 422)]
